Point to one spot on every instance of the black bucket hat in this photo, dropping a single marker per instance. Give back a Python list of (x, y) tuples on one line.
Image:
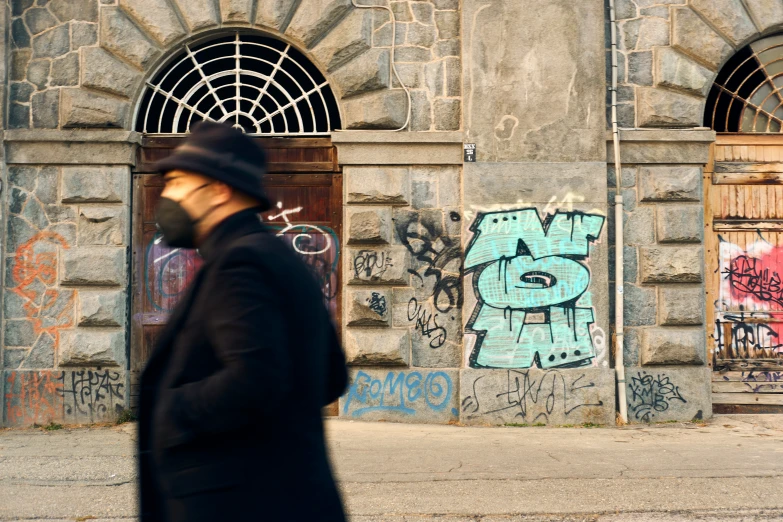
[(224, 153)]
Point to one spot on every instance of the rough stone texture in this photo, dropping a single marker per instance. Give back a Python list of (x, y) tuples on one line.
[(422, 12), (766, 13), (80, 108), (421, 117), (533, 396), (672, 264), (402, 11), (410, 76), (448, 114), (453, 77), (377, 266), (93, 266), (94, 184), (422, 35), (20, 59), (38, 73), (448, 24), (52, 43), (670, 183), (639, 227), (680, 224), (668, 393), (12, 359), (65, 10), (550, 92), (385, 109), (101, 308), (681, 306), (693, 36), (310, 24), (157, 17), (104, 72), (198, 14), (45, 109), (368, 72), (39, 20), (677, 71), (18, 116), (661, 346), (639, 305), (377, 347), (83, 33), (65, 71), (19, 333), (350, 38), (663, 108), (412, 54), (123, 38), (628, 176), (274, 13), (435, 78), (418, 396), (728, 16), (369, 307), (41, 355), (651, 32), (19, 34), (640, 68), (101, 226), (369, 225), (70, 397), (84, 347), (374, 185), (236, 11)]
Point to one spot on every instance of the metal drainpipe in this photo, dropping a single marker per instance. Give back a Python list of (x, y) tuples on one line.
[(393, 68), (619, 363)]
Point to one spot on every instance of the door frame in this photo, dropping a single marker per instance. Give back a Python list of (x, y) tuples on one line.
[(290, 162)]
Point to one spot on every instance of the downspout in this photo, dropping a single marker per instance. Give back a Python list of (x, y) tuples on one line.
[(619, 363)]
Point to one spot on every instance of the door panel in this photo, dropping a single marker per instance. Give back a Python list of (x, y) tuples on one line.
[(306, 215), (744, 195)]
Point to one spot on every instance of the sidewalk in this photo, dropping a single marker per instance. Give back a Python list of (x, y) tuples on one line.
[(728, 469)]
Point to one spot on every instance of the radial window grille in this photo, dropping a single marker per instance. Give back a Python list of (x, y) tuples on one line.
[(747, 95), (258, 84)]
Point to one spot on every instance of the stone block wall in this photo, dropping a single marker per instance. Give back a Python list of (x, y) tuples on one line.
[(82, 63), (65, 293), (671, 50), (403, 299), (663, 288)]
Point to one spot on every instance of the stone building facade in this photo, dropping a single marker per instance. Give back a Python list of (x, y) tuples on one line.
[(479, 292)]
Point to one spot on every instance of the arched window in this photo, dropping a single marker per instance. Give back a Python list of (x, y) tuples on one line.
[(747, 94), (259, 84)]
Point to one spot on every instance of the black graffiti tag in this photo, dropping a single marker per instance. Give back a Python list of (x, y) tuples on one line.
[(427, 323)]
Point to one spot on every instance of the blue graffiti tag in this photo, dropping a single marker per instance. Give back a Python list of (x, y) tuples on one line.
[(399, 392), (529, 278)]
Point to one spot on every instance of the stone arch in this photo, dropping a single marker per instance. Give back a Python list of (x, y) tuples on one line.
[(704, 35), (137, 36)]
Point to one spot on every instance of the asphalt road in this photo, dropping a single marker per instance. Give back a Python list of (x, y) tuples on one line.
[(729, 469)]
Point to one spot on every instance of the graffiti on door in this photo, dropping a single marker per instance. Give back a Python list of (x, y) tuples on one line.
[(531, 281)]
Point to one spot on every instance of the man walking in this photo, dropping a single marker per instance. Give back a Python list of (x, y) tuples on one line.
[(230, 421)]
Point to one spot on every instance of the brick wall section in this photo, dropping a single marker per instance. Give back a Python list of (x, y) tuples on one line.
[(82, 63), (671, 50), (64, 309)]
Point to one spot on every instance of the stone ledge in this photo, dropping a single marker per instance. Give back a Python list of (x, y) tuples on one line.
[(398, 148), (663, 146), (69, 147), (698, 134)]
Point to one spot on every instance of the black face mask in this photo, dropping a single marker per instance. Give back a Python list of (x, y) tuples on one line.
[(174, 222)]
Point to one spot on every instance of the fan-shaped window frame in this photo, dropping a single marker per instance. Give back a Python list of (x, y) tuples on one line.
[(733, 105), (311, 111)]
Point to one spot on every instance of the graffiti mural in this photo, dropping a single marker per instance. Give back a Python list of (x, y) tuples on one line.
[(49, 308), (651, 395), (405, 393), (66, 396), (167, 273), (531, 281), (749, 308)]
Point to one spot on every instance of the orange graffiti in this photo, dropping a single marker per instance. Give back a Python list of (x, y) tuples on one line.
[(31, 266), (33, 397)]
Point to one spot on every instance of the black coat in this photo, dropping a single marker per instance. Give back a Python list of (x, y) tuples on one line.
[(230, 421)]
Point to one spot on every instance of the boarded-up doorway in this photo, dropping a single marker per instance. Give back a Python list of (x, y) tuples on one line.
[(744, 218), (305, 185)]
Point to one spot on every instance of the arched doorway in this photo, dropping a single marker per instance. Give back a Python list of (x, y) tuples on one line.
[(272, 91), (744, 218)]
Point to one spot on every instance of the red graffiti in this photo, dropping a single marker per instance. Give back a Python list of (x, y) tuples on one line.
[(33, 397), (35, 271), (757, 277)]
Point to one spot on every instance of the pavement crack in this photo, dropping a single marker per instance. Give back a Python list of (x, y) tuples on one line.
[(553, 457), (458, 467)]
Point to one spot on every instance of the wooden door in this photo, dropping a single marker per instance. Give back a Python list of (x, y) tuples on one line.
[(744, 217), (305, 188)]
